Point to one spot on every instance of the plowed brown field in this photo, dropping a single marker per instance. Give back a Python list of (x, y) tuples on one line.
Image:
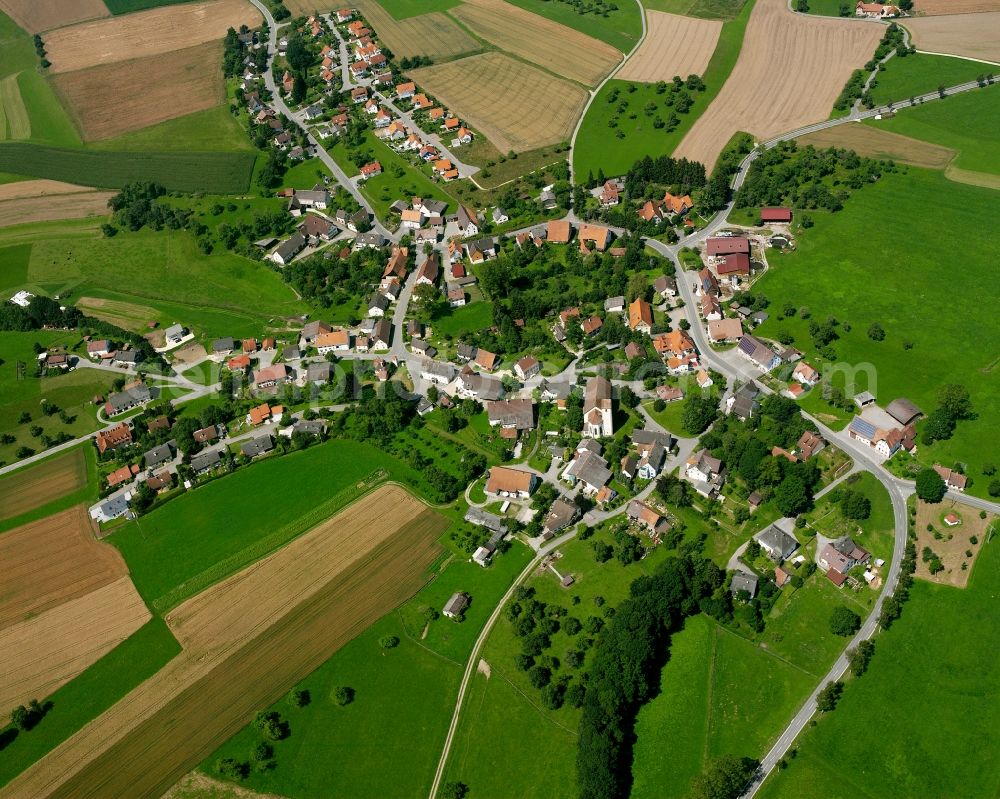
[(789, 72), (36, 16), (436, 35), (499, 97), (556, 47), (48, 209), (38, 188), (27, 489), (48, 650), (146, 33), (969, 35), (674, 45), (187, 80), (937, 7), (383, 544)]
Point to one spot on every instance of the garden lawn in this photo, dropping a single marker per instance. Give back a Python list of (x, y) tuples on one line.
[(933, 290), (719, 694), (620, 28), (460, 321), (939, 656), (903, 78), (222, 526), (969, 123), (88, 695), (399, 180)]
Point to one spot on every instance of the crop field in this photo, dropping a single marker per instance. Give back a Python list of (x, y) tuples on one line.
[(145, 743), (30, 488), (970, 35), (618, 25), (127, 315), (242, 606), (492, 92), (534, 38), (674, 45), (813, 57), (436, 35), (46, 209), (213, 129), (934, 7), (212, 172), (880, 143), (966, 122), (188, 80), (14, 120), (943, 636), (131, 6), (827, 263), (159, 30), (36, 16), (48, 650), (67, 601)]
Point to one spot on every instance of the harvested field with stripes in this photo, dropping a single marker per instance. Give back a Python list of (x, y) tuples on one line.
[(286, 615), (876, 143), (928, 8), (188, 80), (968, 35), (789, 72), (36, 16), (67, 600), (435, 34), (555, 47), (674, 45), (146, 33), (47, 209), (499, 97), (14, 121), (30, 488)]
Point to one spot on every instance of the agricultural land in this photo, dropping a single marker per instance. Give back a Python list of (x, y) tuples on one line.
[(674, 45)]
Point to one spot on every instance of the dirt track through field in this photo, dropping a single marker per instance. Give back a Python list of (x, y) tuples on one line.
[(48, 209), (674, 45), (143, 34), (165, 727), (938, 7), (435, 34), (48, 650), (499, 97), (556, 47), (27, 489), (187, 80), (969, 35), (36, 16), (789, 72)]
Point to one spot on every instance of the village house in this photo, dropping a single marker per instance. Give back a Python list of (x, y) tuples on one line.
[(838, 557), (705, 473), (472, 385), (511, 483), (615, 304), (131, 396), (113, 437), (467, 221), (289, 248), (591, 325), (733, 268), (562, 513), (481, 250), (511, 414), (256, 447), (778, 544), (805, 374), (334, 341), (954, 481), (455, 607), (770, 215), (725, 330), (678, 206), (438, 372), (527, 367), (665, 286), (717, 247), (756, 351), (311, 331), (428, 271), (597, 235), (371, 170), (809, 444), (640, 316), (558, 231), (271, 376), (875, 11), (638, 512), (743, 581), (743, 403), (99, 348), (588, 470)]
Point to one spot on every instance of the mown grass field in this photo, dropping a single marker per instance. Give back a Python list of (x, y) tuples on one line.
[(129, 6), (932, 291), (88, 695), (969, 123), (217, 173), (402, 9), (937, 656), (707, 9), (214, 129), (903, 78), (621, 27), (387, 740)]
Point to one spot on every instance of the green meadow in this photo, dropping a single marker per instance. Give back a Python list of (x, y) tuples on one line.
[(920, 722), (903, 78), (707, 9), (928, 287), (620, 25)]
